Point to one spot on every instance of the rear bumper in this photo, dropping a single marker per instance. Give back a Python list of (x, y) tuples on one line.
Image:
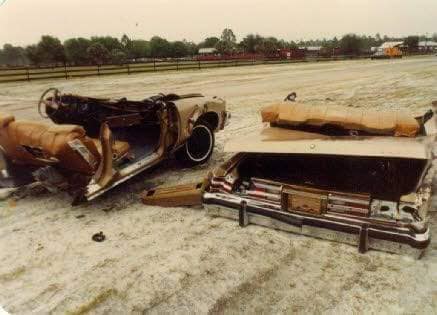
[(348, 230)]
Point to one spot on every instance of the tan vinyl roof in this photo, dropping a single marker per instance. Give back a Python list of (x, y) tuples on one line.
[(391, 123), (281, 140)]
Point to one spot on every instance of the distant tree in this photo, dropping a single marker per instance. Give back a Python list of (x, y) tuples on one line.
[(159, 47), (282, 44), (412, 42), (378, 38), (228, 36), (209, 42), (367, 42), (109, 42), (312, 42), (33, 54), (250, 43), (76, 50), (223, 48), (98, 53), (12, 55), (178, 49), (140, 49), (100, 49), (269, 46), (227, 43), (118, 56), (127, 45), (51, 49), (287, 45), (192, 48), (351, 44), (327, 43)]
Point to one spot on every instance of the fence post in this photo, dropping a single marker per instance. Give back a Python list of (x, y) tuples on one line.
[(198, 63), (27, 73), (177, 64), (154, 64), (65, 71), (128, 69), (98, 70)]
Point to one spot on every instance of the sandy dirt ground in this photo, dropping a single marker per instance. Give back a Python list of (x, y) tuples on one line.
[(157, 260)]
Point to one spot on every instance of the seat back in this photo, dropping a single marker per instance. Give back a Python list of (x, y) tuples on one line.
[(388, 122), (35, 143)]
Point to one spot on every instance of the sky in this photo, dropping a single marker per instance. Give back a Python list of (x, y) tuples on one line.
[(23, 22)]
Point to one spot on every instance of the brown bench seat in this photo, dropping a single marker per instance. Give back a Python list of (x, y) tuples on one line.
[(39, 144)]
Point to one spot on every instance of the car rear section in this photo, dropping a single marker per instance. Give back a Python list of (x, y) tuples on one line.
[(339, 198), (352, 175)]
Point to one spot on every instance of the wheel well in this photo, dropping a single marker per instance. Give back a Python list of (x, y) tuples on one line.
[(211, 118)]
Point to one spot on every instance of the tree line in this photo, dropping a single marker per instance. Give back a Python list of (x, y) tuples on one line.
[(108, 49)]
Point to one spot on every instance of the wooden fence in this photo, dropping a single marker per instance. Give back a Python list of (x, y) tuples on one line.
[(66, 72)]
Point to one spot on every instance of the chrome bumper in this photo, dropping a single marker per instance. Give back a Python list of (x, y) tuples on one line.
[(348, 230)]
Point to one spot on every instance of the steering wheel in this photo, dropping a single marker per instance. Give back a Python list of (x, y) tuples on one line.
[(54, 102)]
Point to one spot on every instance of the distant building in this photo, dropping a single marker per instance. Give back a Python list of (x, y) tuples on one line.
[(311, 51), (311, 48), (427, 45), (207, 51), (423, 46), (387, 45), (291, 53), (390, 45)]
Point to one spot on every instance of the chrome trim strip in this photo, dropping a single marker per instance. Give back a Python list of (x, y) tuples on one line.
[(94, 190)]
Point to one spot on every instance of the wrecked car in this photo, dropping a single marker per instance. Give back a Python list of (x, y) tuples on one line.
[(96, 143), (351, 175)]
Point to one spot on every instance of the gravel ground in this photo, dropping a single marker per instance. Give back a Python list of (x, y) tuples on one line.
[(157, 260)]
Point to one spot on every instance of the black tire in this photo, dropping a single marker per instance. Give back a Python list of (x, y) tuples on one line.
[(199, 147)]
